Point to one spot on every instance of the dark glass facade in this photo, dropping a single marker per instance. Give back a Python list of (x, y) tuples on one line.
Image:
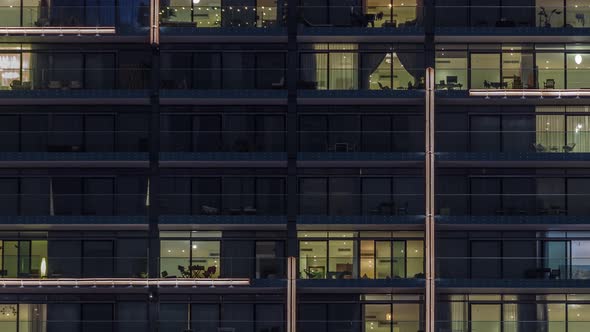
[(283, 166)]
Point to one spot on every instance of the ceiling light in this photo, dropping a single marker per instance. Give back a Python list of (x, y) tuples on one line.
[(578, 59)]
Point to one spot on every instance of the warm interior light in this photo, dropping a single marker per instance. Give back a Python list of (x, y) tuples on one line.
[(43, 267), (578, 59), (388, 316)]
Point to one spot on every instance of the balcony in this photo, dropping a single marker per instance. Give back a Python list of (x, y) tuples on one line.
[(544, 20), (209, 146), (513, 267), (50, 85), (196, 20), (491, 146), (325, 200), (383, 147), (512, 73), (373, 21), (53, 19)]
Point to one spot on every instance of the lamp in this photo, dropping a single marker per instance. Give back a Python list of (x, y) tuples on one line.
[(43, 267), (196, 2), (578, 59)]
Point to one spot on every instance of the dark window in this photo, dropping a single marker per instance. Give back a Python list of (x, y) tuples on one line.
[(313, 197)]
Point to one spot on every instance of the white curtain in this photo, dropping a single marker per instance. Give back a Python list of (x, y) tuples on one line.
[(550, 132), (344, 69)]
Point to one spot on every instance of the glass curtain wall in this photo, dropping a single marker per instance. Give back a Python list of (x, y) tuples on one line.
[(512, 67), (366, 255), (360, 66)]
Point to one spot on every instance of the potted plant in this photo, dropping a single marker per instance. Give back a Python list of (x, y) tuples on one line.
[(545, 18)]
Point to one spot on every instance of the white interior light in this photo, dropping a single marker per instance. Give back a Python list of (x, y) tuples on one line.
[(196, 1), (578, 59)]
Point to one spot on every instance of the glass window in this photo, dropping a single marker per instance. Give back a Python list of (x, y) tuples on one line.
[(206, 196), (550, 13), (485, 71), (383, 260), (578, 134), (376, 133), (344, 133), (269, 259), (550, 133), (577, 196), (313, 196), (551, 70), (269, 317), (377, 196), (8, 322), (174, 255), (578, 66), (378, 318), (205, 317), (486, 317), (343, 68), (367, 264), (10, 64), (580, 260), (344, 196), (342, 260), (205, 257), (376, 71), (406, 317), (415, 258), (518, 70), (451, 70), (578, 317), (313, 259)]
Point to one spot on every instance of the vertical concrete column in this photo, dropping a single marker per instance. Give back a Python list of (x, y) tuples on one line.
[(429, 201)]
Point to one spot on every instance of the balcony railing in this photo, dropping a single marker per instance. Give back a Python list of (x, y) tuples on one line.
[(533, 141), (227, 78), (46, 16), (73, 79), (386, 76), (511, 325), (36, 266), (73, 204), (367, 16), (337, 141), (197, 15), (366, 267), (214, 204), (353, 204), (513, 204), (577, 268), (549, 73), (215, 266), (514, 16), (223, 141), (73, 140)]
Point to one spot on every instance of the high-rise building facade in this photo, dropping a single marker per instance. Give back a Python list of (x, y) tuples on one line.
[(283, 166)]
